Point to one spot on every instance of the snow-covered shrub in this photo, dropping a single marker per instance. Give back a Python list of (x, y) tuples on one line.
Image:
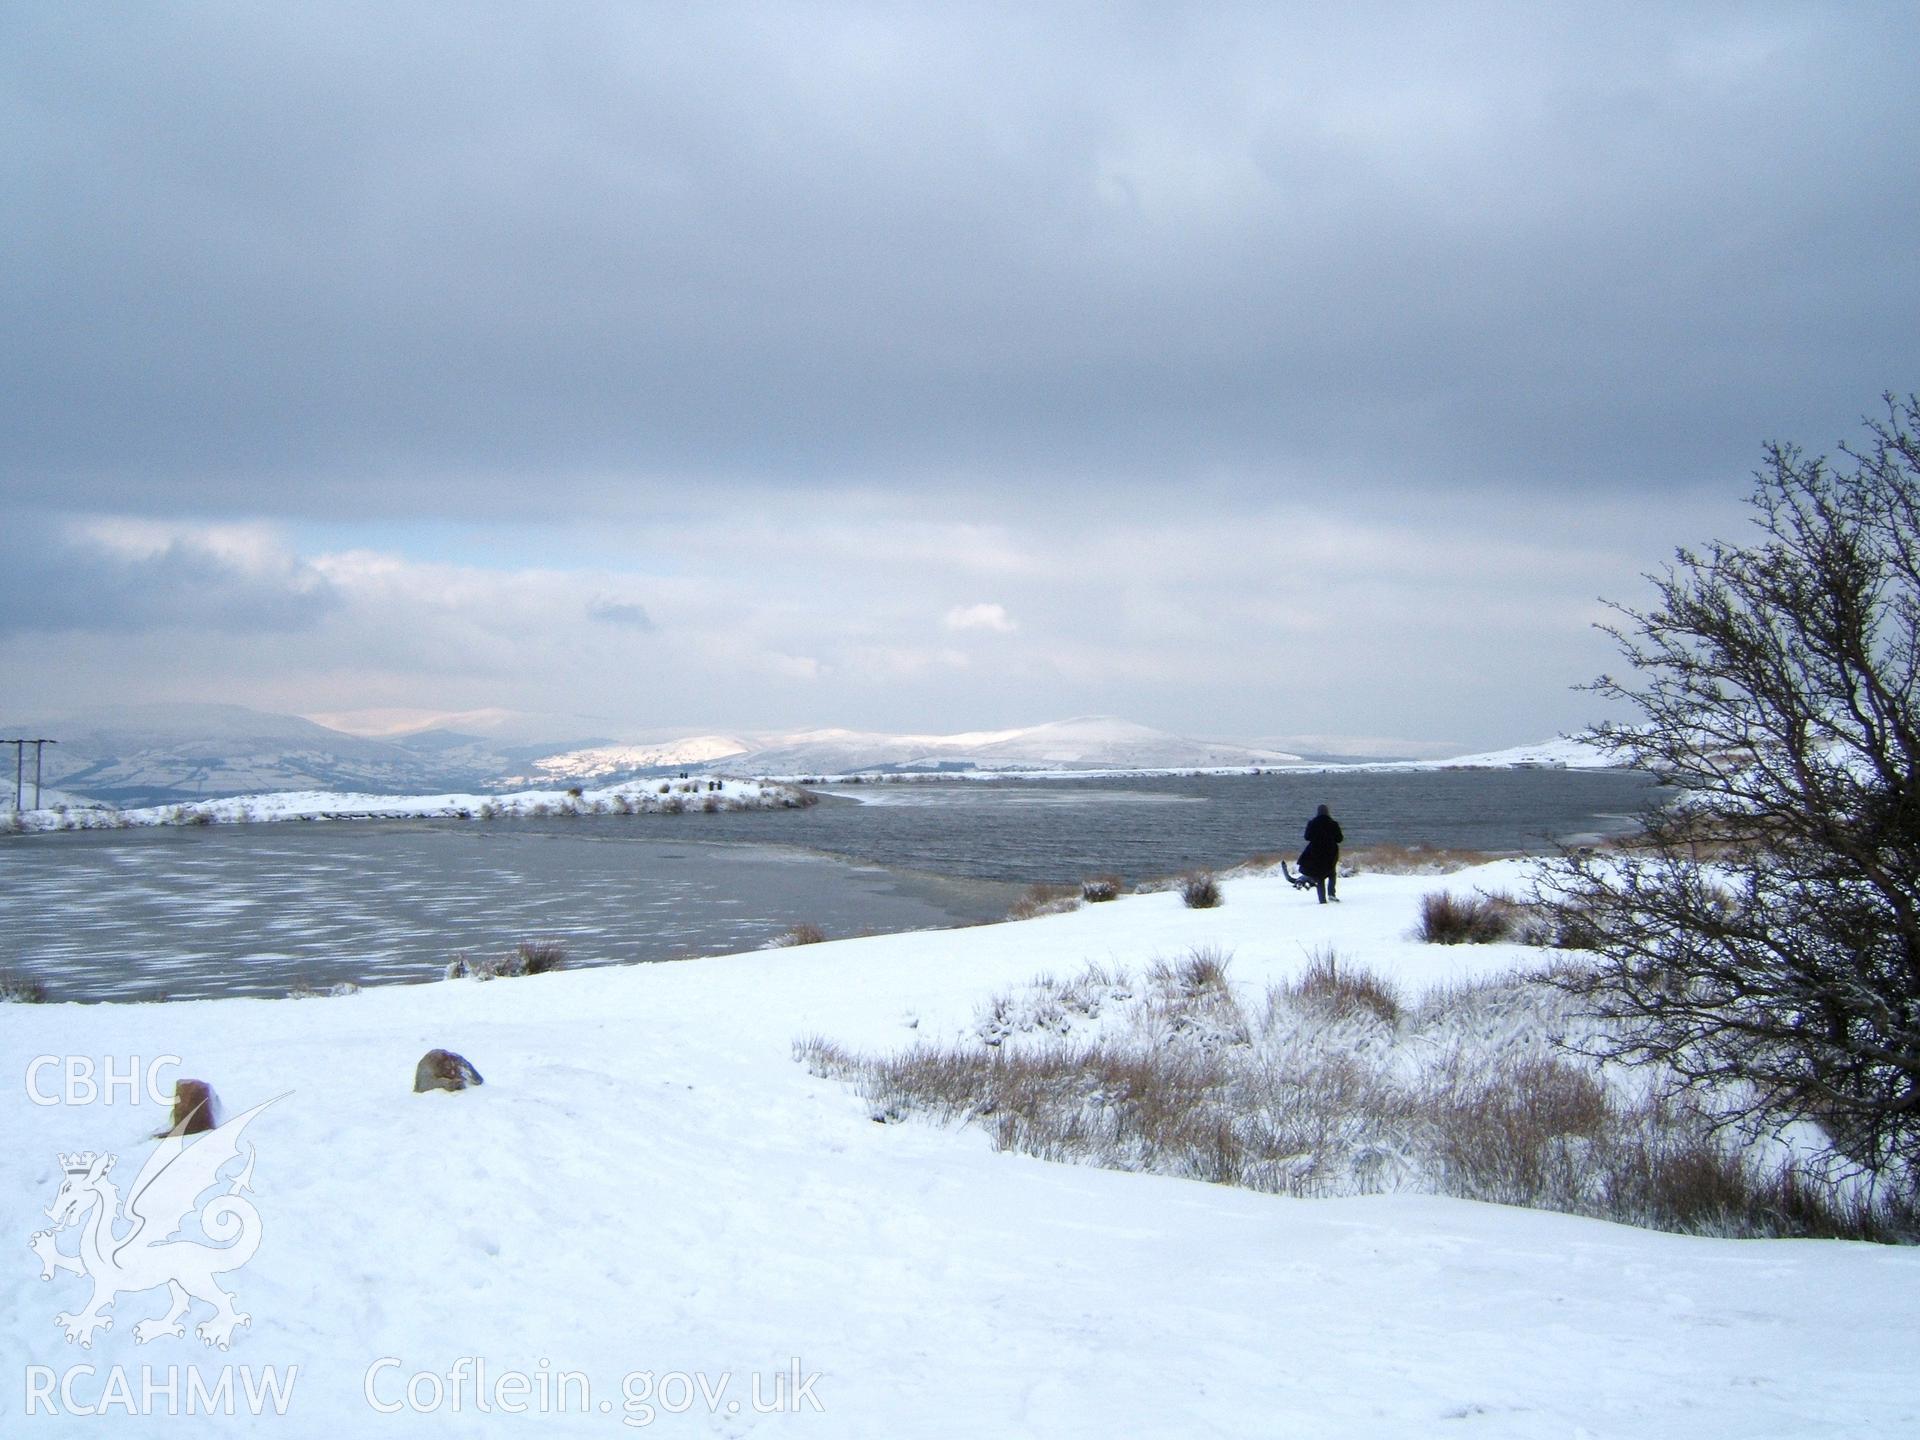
[(1098, 889)]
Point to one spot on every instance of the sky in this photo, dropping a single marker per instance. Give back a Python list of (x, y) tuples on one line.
[(1287, 372)]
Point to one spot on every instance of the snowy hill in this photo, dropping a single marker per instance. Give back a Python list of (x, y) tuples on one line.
[(1559, 754), (175, 754), (171, 754), (160, 754), (597, 761), (648, 1184), (1090, 743)]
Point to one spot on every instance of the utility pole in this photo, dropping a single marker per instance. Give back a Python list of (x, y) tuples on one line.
[(20, 768)]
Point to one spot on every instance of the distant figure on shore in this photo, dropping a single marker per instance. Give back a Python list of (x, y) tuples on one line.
[(1320, 861)]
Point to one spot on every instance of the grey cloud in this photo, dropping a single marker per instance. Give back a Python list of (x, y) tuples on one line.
[(53, 582), (388, 260), (622, 613)]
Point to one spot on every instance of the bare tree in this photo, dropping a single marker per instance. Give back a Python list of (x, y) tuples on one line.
[(1764, 940)]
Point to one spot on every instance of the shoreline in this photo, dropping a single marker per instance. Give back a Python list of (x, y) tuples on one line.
[(709, 794)]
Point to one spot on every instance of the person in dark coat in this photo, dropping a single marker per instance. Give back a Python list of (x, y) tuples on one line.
[(1320, 861)]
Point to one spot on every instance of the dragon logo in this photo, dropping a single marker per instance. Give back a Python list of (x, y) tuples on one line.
[(146, 1254)]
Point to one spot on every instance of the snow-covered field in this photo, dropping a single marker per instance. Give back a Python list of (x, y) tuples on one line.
[(648, 1182), (634, 797)]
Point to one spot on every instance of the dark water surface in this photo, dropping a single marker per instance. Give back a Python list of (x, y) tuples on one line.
[(1037, 830), (256, 909)]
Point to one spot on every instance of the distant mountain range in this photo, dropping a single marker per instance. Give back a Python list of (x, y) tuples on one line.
[(1093, 743), (162, 754)]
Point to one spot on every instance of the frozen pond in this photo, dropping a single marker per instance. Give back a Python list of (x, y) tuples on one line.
[(257, 909)]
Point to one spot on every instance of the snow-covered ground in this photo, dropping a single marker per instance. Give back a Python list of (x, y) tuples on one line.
[(648, 1182), (635, 797)]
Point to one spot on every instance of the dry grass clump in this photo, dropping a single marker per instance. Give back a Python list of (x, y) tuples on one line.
[(826, 1059), (1449, 919), (1340, 1087), (1325, 989), (1044, 900), (1415, 859), (1199, 890), (529, 957), (318, 989), (802, 934), (1098, 889), (1203, 969), (537, 957), (19, 988)]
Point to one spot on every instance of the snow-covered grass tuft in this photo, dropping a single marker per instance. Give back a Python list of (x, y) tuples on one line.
[(311, 990), (1199, 890), (1333, 1084), (529, 957), (801, 934), (1340, 993)]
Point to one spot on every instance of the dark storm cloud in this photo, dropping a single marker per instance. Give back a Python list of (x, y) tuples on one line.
[(519, 259), (53, 580)]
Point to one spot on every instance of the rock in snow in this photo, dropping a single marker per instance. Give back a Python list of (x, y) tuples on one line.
[(444, 1070)]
